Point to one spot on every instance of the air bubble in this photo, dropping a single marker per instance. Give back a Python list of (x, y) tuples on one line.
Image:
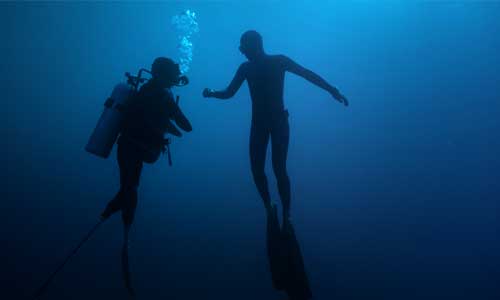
[(185, 25)]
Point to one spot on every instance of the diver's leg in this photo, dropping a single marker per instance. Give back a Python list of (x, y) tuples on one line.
[(113, 206), (259, 138), (280, 137), (130, 160), (130, 163), (116, 203)]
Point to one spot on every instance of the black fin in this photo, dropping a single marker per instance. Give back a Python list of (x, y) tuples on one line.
[(298, 286), (277, 262), (125, 266)]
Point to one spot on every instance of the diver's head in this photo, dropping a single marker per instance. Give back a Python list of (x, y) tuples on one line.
[(166, 72), (251, 44)]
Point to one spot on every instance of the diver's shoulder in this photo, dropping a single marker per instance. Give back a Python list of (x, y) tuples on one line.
[(152, 90), (150, 85), (243, 68), (245, 65), (279, 57)]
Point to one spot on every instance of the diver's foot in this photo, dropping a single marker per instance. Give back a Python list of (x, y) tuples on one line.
[(107, 213), (104, 216), (113, 206)]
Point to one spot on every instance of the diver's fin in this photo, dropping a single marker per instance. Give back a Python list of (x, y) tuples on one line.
[(297, 286), (125, 265), (275, 250)]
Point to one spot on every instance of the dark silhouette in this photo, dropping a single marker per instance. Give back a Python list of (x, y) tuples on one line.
[(147, 119), (285, 260), (265, 75)]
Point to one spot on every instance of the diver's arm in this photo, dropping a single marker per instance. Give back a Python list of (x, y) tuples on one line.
[(233, 87), (175, 114), (181, 120), (170, 128), (314, 78)]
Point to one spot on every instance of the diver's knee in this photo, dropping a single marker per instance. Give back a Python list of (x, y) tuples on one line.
[(258, 174), (128, 188), (280, 173)]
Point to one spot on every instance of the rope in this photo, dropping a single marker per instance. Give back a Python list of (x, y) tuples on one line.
[(44, 287)]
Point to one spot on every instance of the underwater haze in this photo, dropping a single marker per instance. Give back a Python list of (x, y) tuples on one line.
[(394, 197)]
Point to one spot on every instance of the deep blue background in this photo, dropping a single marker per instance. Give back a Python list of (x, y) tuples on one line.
[(395, 197)]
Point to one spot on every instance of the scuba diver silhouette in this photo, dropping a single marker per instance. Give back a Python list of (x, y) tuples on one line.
[(140, 120), (146, 120), (265, 75)]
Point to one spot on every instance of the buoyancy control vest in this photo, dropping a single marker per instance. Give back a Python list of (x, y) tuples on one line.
[(141, 117)]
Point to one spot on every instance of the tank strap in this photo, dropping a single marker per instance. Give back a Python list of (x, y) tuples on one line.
[(166, 145)]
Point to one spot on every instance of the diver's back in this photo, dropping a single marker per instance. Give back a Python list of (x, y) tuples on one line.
[(265, 78), (145, 115)]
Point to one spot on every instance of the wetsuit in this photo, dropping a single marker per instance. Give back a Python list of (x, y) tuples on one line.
[(265, 77), (147, 119)]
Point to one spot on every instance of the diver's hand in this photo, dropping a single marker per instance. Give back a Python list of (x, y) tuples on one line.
[(339, 97), (207, 93)]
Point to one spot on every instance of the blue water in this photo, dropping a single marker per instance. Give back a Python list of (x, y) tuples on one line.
[(395, 197)]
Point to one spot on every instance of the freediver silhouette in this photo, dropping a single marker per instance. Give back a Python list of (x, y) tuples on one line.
[(265, 75), (146, 120)]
